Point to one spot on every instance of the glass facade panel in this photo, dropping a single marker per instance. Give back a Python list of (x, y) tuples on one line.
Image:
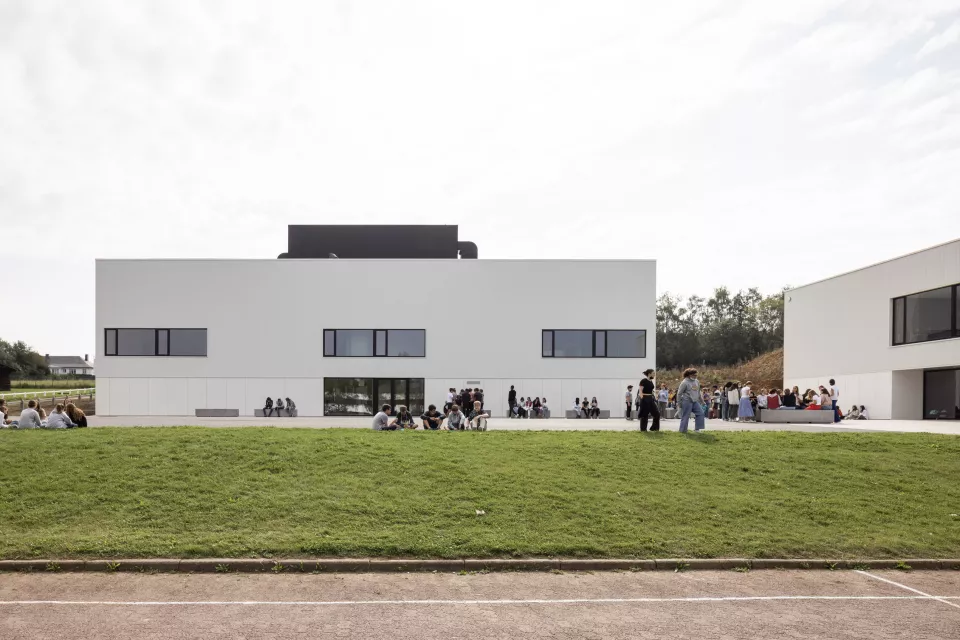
[(329, 342), (548, 344), (626, 344), (188, 342), (573, 344), (163, 342), (941, 395), (929, 315), (600, 344), (381, 343), (415, 400), (110, 348), (136, 342), (407, 343), (348, 397), (898, 306), (354, 342)]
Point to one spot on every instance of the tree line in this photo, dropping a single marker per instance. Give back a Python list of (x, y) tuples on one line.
[(723, 329), (20, 360)]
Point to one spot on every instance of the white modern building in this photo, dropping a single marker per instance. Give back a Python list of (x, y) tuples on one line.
[(342, 336), (888, 334)]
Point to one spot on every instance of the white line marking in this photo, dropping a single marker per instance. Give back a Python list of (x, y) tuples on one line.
[(903, 586), (338, 603)]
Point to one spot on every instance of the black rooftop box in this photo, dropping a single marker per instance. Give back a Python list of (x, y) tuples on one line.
[(371, 241)]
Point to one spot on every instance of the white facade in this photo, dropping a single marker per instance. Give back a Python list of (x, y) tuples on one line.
[(265, 322), (842, 328)]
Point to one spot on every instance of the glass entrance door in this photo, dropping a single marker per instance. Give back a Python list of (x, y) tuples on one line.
[(941, 394)]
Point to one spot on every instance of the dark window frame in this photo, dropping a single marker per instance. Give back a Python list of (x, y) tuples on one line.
[(374, 405), (156, 342), (606, 344), (377, 347), (954, 328)]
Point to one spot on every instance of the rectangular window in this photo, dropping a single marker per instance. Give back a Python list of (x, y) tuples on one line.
[(110, 349), (155, 342), (364, 396), (941, 394), (627, 344), (926, 316), (379, 343), (594, 343)]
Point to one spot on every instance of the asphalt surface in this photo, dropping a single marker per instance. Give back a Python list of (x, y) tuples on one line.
[(702, 605)]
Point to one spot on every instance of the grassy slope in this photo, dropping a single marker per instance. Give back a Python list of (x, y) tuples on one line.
[(238, 492)]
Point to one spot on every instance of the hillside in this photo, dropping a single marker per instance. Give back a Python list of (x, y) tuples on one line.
[(764, 371)]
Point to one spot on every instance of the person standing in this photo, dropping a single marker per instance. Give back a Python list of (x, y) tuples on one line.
[(745, 412), (648, 404), (511, 400), (688, 395), (733, 401), (629, 400), (663, 398), (835, 399)]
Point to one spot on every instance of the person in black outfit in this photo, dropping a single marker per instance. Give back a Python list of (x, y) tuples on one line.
[(268, 407), (432, 419), (478, 396), (648, 403), (465, 398), (511, 401)]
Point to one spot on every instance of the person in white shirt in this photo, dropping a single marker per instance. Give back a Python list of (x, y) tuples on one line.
[(835, 399), (863, 413), (58, 419)]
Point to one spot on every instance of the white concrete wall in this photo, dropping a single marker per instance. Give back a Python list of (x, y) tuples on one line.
[(265, 322), (842, 328)]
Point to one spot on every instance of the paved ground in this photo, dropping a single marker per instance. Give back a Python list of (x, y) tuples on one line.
[(554, 424), (761, 604)]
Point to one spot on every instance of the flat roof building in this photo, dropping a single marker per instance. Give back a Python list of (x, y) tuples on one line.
[(888, 334), (343, 336)]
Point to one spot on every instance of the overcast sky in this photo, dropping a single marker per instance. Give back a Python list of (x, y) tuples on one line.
[(753, 143)]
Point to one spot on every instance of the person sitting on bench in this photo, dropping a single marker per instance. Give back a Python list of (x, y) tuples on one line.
[(478, 419), (432, 419), (537, 408), (268, 407), (291, 407), (594, 408), (521, 409), (278, 405)]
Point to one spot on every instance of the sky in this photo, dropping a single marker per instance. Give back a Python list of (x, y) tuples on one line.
[(738, 143)]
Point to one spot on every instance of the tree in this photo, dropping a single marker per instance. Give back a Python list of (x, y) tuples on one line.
[(723, 329), (22, 360)]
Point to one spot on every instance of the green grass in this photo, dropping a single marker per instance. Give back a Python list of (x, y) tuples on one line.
[(49, 385), (298, 492)]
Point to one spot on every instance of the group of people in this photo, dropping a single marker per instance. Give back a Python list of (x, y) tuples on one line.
[(451, 418), (34, 416), (587, 409), (270, 407)]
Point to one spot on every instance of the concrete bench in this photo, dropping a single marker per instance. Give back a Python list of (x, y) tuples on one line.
[(283, 413), (784, 416), (218, 413), (604, 414)]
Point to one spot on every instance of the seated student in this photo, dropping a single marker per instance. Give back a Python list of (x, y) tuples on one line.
[(381, 421), (432, 419), (544, 408), (788, 399), (291, 407), (522, 409), (576, 406), (278, 406), (77, 416), (863, 413), (594, 408), (29, 418), (456, 421), (478, 418), (404, 419), (585, 409), (773, 399), (41, 411), (268, 407), (59, 419), (854, 413), (537, 408), (4, 416)]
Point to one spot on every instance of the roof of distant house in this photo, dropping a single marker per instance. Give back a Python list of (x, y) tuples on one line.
[(68, 361)]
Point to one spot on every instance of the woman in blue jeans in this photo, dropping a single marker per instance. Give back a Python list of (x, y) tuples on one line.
[(688, 395)]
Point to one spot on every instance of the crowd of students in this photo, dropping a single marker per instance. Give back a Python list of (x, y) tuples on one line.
[(270, 407), (67, 416), (451, 418)]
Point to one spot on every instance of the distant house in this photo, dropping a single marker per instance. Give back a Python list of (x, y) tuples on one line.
[(69, 365)]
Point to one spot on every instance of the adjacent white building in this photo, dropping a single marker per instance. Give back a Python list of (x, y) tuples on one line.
[(888, 334), (342, 336)]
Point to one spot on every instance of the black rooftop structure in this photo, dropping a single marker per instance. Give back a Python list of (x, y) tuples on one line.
[(371, 241)]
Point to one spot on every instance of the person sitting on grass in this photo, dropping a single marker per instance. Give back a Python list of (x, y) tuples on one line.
[(404, 418), (268, 407), (432, 419), (76, 415), (59, 419), (478, 418), (455, 419), (863, 413), (291, 407), (4, 416), (29, 418), (381, 421), (854, 413)]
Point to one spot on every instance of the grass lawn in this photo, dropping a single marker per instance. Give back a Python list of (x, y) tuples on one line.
[(49, 385), (299, 492)]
